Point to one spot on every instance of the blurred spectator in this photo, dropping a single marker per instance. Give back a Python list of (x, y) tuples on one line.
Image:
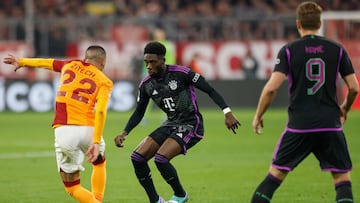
[(250, 65), (181, 20), (160, 36), (57, 42)]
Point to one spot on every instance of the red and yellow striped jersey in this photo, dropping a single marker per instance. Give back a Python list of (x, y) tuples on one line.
[(81, 86)]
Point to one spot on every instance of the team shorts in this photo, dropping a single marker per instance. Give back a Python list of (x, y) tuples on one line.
[(329, 148), (71, 144), (183, 134)]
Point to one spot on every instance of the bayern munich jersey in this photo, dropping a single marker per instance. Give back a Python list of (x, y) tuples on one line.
[(313, 65), (175, 95)]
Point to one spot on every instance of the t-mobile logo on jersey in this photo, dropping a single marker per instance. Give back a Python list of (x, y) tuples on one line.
[(169, 103)]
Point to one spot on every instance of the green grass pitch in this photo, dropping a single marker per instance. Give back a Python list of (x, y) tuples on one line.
[(221, 168)]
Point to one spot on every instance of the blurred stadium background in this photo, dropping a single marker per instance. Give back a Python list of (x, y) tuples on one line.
[(219, 35)]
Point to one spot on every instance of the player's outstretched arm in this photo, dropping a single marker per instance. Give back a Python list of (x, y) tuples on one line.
[(46, 63), (12, 60)]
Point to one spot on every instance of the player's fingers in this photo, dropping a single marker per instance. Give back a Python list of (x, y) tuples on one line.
[(91, 158), (119, 143), (258, 130)]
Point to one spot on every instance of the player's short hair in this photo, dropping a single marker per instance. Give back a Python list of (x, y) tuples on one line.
[(99, 50), (155, 48), (309, 15)]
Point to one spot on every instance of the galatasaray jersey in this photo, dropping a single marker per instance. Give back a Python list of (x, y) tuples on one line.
[(79, 89), (81, 85)]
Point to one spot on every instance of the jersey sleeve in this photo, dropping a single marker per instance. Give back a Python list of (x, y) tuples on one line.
[(37, 63), (50, 64), (101, 111), (283, 60), (138, 114), (346, 67), (199, 82)]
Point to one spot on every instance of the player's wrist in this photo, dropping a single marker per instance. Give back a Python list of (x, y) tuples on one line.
[(226, 110)]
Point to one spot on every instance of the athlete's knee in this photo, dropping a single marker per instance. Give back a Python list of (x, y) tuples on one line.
[(160, 159), (279, 174), (71, 186), (137, 158), (141, 167), (341, 177)]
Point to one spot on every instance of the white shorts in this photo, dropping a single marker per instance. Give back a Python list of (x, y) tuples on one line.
[(71, 144)]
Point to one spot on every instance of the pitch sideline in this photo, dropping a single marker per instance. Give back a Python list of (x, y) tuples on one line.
[(22, 155)]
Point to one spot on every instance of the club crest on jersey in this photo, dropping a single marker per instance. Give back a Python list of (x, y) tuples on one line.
[(173, 84)]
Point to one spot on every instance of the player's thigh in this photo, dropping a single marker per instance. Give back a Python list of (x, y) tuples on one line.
[(70, 142), (291, 149), (147, 147), (151, 144), (332, 152), (186, 137), (170, 148)]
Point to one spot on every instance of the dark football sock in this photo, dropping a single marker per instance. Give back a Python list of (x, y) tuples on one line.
[(266, 189), (344, 192), (143, 174), (169, 173)]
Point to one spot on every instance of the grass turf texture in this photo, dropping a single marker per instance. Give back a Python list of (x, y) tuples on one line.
[(221, 168)]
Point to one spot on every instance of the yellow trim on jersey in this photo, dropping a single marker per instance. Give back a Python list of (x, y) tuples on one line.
[(37, 63)]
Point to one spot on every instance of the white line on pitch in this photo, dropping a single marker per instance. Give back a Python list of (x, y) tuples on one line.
[(21, 155)]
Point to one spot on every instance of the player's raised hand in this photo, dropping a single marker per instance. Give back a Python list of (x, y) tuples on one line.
[(231, 122), (12, 60), (119, 140)]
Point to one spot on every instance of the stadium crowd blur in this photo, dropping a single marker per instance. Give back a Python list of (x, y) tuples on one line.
[(61, 22)]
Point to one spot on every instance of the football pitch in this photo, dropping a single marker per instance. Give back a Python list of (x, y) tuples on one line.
[(222, 168)]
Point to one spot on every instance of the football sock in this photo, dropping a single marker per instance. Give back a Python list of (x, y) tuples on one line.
[(169, 173), (344, 192), (79, 193), (143, 174), (266, 189), (98, 180)]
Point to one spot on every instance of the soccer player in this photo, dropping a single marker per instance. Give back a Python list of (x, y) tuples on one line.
[(172, 88), (312, 65), (78, 125)]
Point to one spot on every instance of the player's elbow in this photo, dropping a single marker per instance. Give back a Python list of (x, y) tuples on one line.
[(353, 88), (354, 91), (270, 89), (101, 113)]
